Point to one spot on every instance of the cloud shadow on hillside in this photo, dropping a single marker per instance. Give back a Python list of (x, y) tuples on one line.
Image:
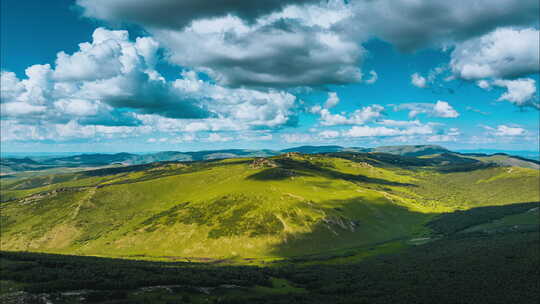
[(352, 225), (289, 167)]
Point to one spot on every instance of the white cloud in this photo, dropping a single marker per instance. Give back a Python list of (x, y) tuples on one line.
[(240, 43), (418, 80), (399, 123), (184, 138), (96, 60), (329, 134), (358, 117), (269, 51), (391, 132), (10, 86), (264, 54), (216, 137), (157, 140), (95, 85), (441, 138), (249, 107), (255, 136), (451, 135), (520, 92), (297, 137), (439, 109), (368, 131), (20, 109), (13, 130), (443, 109), (315, 109), (332, 100), (504, 130), (503, 53), (35, 89), (373, 78), (483, 84), (250, 51), (77, 107)]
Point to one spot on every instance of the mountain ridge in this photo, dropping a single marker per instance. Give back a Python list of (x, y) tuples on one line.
[(9, 165)]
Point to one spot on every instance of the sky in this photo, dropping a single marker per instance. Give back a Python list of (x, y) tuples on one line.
[(138, 76)]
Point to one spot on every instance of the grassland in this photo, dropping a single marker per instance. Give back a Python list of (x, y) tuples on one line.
[(251, 210), (325, 228)]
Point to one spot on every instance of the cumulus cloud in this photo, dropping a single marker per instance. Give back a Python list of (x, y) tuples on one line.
[(369, 131), (520, 92), (329, 134), (503, 53), (252, 107), (418, 80), (411, 25), (109, 72), (216, 137), (20, 109), (13, 130), (297, 137), (283, 53), (174, 14), (283, 43), (332, 100), (439, 109), (35, 89), (11, 87), (112, 81), (505, 131), (253, 51), (358, 117), (399, 123), (157, 140), (381, 130), (451, 135), (483, 84)]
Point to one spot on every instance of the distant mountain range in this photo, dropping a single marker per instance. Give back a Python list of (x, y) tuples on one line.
[(43, 162)]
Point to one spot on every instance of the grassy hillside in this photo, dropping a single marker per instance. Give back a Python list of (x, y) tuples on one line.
[(251, 209)]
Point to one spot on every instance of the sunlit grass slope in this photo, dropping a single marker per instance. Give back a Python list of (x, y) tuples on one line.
[(283, 206)]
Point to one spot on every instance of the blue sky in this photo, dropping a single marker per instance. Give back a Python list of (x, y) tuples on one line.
[(117, 75)]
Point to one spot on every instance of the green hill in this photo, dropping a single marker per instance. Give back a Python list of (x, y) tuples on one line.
[(44, 165), (284, 206)]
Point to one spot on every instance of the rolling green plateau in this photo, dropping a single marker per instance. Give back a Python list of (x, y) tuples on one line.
[(327, 227), (256, 210), (43, 165)]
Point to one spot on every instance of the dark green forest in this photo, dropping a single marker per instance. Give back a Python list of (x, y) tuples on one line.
[(466, 268)]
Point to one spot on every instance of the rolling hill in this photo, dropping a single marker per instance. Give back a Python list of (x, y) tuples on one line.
[(42, 165), (255, 209)]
